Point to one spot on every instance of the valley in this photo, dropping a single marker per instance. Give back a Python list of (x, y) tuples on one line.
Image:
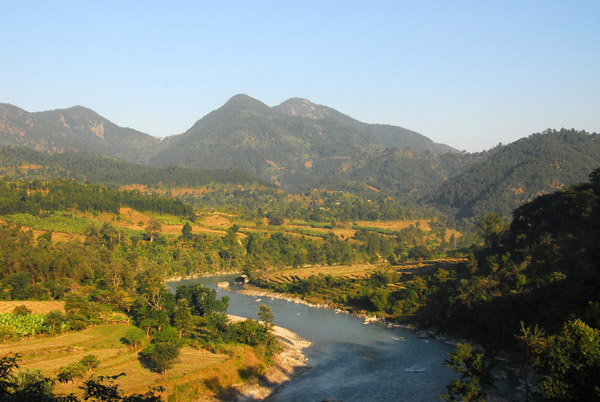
[(305, 201)]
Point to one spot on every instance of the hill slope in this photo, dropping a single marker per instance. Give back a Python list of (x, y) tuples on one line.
[(73, 129), (26, 163), (516, 173), (281, 143)]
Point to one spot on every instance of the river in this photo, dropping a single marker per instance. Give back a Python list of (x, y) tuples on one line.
[(349, 360)]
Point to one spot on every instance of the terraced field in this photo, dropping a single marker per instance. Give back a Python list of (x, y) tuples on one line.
[(198, 371), (362, 271)]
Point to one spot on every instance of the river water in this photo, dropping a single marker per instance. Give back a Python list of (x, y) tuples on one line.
[(349, 360)]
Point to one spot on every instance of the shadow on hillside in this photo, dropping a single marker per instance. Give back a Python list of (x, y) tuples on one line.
[(252, 378)]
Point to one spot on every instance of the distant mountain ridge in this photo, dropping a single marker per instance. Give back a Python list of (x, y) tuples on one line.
[(244, 132), (284, 143), (300, 145), (387, 135), (73, 129)]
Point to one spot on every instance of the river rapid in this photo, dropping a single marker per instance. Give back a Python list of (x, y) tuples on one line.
[(349, 360)]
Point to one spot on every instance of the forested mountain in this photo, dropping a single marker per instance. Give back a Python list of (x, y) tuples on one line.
[(283, 143), (518, 172), (385, 136), (401, 173), (26, 163), (300, 146), (73, 129)]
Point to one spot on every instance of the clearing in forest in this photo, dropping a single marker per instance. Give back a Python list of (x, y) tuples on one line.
[(38, 307)]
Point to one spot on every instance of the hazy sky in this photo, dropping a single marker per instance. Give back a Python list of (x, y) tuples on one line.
[(469, 74)]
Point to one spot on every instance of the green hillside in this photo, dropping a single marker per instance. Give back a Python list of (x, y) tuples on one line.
[(26, 163), (280, 145), (518, 172)]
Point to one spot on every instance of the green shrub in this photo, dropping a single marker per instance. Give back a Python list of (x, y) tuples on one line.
[(90, 362), (71, 372), (21, 310)]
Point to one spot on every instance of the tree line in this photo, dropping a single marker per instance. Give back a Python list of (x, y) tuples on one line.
[(60, 195)]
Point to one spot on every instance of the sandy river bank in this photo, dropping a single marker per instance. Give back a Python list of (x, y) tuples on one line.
[(288, 362)]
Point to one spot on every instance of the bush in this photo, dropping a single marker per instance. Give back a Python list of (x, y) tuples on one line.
[(71, 372), (21, 310), (7, 332), (90, 362), (34, 382)]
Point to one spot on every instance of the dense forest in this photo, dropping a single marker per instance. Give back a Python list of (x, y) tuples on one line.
[(28, 164), (60, 195), (516, 173)]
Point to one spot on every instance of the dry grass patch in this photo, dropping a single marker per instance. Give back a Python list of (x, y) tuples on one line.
[(362, 270), (346, 271), (423, 224), (217, 219), (340, 232), (41, 307), (57, 236)]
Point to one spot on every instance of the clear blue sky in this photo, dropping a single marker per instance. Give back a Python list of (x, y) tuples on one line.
[(469, 74)]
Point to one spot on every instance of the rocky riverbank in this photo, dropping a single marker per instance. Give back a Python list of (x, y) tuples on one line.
[(200, 275), (288, 362)]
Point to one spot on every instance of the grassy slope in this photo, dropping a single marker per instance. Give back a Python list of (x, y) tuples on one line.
[(198, 371)]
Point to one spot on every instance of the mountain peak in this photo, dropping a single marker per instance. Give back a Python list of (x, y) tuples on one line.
[(303, 108), (243, 101)]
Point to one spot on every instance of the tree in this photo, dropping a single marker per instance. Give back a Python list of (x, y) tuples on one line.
[(20, 286), (21, 310), (201, 300), (153, 229), (475, 374), (420, 253), (186, 231), (168, 335), (492, 227), (90, 362), (183, 318), (34, 382), (250, 332), (569, 363), (266, 316), (160, 356), (71, 372), (79, 311), (275, 220), (134, 337), (55, 320)]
